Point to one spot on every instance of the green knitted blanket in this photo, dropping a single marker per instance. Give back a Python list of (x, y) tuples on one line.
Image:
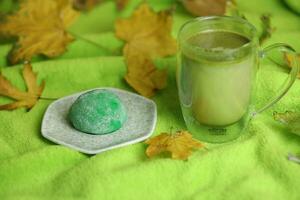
[(253, 167)]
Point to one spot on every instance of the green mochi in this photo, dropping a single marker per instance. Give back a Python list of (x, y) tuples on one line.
[(97, 112)]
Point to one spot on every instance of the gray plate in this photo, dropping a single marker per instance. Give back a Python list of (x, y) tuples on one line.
[(138, 127)]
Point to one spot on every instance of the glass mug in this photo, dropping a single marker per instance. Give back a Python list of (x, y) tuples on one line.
[(216, 85)]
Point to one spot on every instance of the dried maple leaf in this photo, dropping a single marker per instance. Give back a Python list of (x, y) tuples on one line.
[(267, 29), (205, 7), (148, 35), (121, 4), (289, 59), (180, 145), (147, 32), (23, 99), (85, 4), (40, 27), (143, 76), (290, 119)]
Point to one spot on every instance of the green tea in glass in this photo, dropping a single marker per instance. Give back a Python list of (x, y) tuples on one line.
[(218, 60)]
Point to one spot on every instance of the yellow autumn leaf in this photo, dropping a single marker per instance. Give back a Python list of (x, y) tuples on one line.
[(23, 99), (40, 27), (289, 59), (180, 145), (85, 4), (121, 4), (147, 32), (143, 76), (267, 28), (148, 35), (205, 7)]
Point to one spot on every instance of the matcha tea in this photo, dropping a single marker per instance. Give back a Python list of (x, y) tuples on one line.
[(215, 92), (218, 40)]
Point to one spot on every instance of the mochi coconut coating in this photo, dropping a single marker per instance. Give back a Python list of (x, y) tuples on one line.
[(98, 112)]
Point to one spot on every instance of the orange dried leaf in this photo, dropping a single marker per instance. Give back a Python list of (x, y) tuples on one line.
[(143, 76), (148, 35), (40, 27), (121, 4), (147, 32), (23, 99), (85, 4), (289, 60), (205, 7), (267, 28), (180, 145)]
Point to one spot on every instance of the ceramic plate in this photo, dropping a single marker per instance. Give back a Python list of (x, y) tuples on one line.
[(138, 127)]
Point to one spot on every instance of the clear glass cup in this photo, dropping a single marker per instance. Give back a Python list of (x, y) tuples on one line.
[(216, 86)]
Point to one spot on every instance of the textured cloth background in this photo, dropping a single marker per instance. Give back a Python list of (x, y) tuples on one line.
[(252, 167)]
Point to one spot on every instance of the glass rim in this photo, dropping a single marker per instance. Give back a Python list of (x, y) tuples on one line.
[(239, 20)]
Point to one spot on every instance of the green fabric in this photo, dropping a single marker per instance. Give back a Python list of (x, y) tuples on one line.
[(252, 167), (294, 5)]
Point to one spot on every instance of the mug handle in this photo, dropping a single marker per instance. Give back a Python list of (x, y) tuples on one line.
[(293, 62)]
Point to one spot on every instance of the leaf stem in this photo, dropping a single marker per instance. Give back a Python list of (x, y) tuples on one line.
[(47, 98), (205, 148), (91, 42), (171, 130)]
